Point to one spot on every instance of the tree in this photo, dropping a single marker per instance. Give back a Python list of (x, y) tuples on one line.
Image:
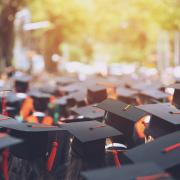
[(7, 15)]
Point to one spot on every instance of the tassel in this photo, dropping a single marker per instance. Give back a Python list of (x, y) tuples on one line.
[(52, 156), (5, 155), (116, 159), (4, 112), (171, 148), (153, 177)]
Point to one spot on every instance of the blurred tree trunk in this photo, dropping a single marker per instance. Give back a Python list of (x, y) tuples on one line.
[(7, 16), (51, 46)]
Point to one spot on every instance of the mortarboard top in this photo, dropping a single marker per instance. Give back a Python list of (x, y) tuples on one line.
[(96, 88), (121, 116), (36, 137), (21, 83), (7, 140), (89, 131), (89, 140), (38, 94), (176, 96), (65, 80), (22, 78), (141, 86), (154, 93), (96, 94), (73, 87), (77, 98), (49, 89), (164, 120), (128, 172), (126, 92), (164, 151), (12, 100), (127, 95), (122, 109), (90, 112)]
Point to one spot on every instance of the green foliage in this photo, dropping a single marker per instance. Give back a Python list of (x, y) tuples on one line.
[(127, 29)]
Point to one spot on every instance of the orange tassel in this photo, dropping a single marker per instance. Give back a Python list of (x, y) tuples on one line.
[(52, 156), (116, 159), (153, 177), (5, 155)]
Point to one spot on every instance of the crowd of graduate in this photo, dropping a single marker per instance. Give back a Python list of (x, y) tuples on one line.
[(103, 128)]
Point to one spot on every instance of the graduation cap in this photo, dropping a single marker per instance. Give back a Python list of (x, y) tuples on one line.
[(6, 141), (155, 94), (89, 113), (77, 98), (11, 99), (71, 88), (164, 151), (38, 139), (50, 89), (40, 100), (176, 96), (121, 116), (127, 95), (65, 80), (139, 171), (62, 106), (21, 83), (89, 139), (164, 119), (96, 94), (141, 86)]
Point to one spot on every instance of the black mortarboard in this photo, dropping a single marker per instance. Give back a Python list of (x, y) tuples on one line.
[(121, 116), (50, 89), (7, 140), (73, 87), (90, 113), (40, 101), (77, 98), (89, 131), (37, 138), (21, 83), (12, 100), (96, 94), (62, 106), (89, 141), (12, 112), (176, 96), (139, 171), (141, 86), (164, 119), (155, 94), (164, 151), (127, 95), (65, 80)]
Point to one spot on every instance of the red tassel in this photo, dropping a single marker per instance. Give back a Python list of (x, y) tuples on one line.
[(52, 156), (116, 159), (171, 148), (4, 112), (5, 156)]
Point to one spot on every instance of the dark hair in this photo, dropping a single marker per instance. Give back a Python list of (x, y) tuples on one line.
[(21, 169), (84, 157), (21, 87)]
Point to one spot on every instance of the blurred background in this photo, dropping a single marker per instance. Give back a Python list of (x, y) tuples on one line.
[(91, 36)]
